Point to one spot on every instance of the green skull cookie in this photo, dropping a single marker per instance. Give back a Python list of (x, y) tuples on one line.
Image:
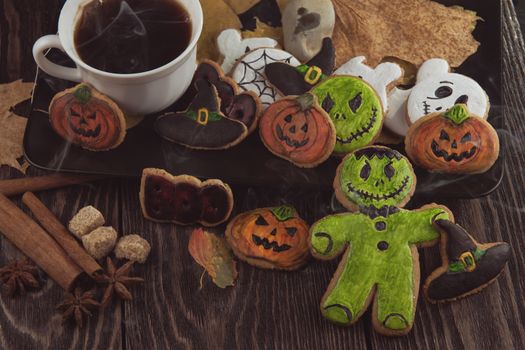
[(375, 176), (355, 109)]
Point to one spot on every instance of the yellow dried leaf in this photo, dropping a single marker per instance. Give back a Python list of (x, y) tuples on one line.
[(241, 6), (412, 30), (263, 30), (12, 127), (213, 253), (218, 16)]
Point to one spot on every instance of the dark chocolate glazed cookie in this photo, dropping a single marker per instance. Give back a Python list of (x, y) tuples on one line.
[(184, 199)]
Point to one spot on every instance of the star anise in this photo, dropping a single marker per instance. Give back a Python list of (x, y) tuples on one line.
[(117, 281), (18, 276), (77, 305)]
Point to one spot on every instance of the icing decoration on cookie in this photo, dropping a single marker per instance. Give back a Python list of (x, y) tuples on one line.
[(375, 176), (380, 78), (380, 261), (299, 80), (244, 107), (355, 110), (468, 266), (437, 90), (232, 46), (184, 199), (453, 142), (249, 72), (299, 130), (202, 125), (270, 238), (86, 118), (396, 116)]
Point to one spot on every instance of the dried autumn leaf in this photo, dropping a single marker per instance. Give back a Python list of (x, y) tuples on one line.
[(241, 6), (214, 254), (12, 127), (218, 16), (412, 30), (263, 30)]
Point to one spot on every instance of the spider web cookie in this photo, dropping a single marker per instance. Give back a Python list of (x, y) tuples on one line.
[(249, 72)]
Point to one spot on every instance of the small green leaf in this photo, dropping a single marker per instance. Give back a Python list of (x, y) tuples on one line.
[(83, 93), (283, 213), (458, 114)]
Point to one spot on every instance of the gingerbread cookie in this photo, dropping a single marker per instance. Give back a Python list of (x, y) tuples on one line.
[(244, 106), (202, 125), (249, 72), (184, 199), (437, 90), (355, 110), (270, 238), (290, 80), (299, 130), (86, 118), (381, 78), (453, 142), (468, 266), (232, 46), (379, 243)]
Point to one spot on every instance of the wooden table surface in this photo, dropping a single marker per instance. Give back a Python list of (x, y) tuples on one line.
[(265, 309)]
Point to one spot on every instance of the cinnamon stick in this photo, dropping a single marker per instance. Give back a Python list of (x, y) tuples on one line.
[(34, 242), (13, 187), (61, 234)]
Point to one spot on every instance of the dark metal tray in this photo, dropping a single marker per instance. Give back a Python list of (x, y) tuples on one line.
[(250, 163)]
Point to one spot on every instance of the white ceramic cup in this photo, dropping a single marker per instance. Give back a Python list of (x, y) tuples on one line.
[(138, 93)]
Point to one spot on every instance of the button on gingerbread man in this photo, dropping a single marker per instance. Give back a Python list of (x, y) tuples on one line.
[(380, 263)]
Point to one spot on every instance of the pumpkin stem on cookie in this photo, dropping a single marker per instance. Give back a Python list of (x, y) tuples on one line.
[(306, 101), (83, 93), (458, 114), (283, 213)]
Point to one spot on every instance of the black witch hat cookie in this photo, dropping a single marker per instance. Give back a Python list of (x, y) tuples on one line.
[(298, 80), (202, 125), (468, 266)]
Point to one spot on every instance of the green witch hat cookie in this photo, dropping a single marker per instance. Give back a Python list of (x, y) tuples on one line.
[(202, 125)]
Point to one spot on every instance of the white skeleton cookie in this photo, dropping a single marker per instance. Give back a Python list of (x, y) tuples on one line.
[(232, 46), (396, 117), (380, 78), (249, 72), (437, 90)]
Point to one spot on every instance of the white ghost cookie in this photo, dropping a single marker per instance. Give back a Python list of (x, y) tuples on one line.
[(437, 90), (380, 78), (396, 117), (249, 72), (232, 46)]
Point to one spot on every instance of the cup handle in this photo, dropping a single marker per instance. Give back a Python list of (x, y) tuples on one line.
[(58, 71)]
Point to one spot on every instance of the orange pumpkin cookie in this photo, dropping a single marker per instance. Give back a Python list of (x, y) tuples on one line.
[(86, 118), (453, 142), (270, 238), (296, 128)]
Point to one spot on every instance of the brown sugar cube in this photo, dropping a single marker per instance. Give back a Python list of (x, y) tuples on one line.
[(133, 247), (100, 242), (86, 220)]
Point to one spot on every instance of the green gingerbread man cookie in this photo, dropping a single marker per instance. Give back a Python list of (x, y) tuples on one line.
[(355, 109), (380, 261)]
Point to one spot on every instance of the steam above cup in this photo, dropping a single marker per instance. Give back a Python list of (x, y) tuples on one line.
[(137, 93)]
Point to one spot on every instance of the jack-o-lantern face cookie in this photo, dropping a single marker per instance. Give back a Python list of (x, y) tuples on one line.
[(468, 266), (184, 199), (355, 110), (202, 125), (85, 117), (270, 238), (299, 130), (453, 142), (376, 176)]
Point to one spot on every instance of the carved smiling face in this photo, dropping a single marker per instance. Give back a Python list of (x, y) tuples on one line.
[(375, 176), (354, 108), (453, 142), (270, 237)]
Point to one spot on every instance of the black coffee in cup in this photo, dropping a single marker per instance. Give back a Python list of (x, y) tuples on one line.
[(132, 36)]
